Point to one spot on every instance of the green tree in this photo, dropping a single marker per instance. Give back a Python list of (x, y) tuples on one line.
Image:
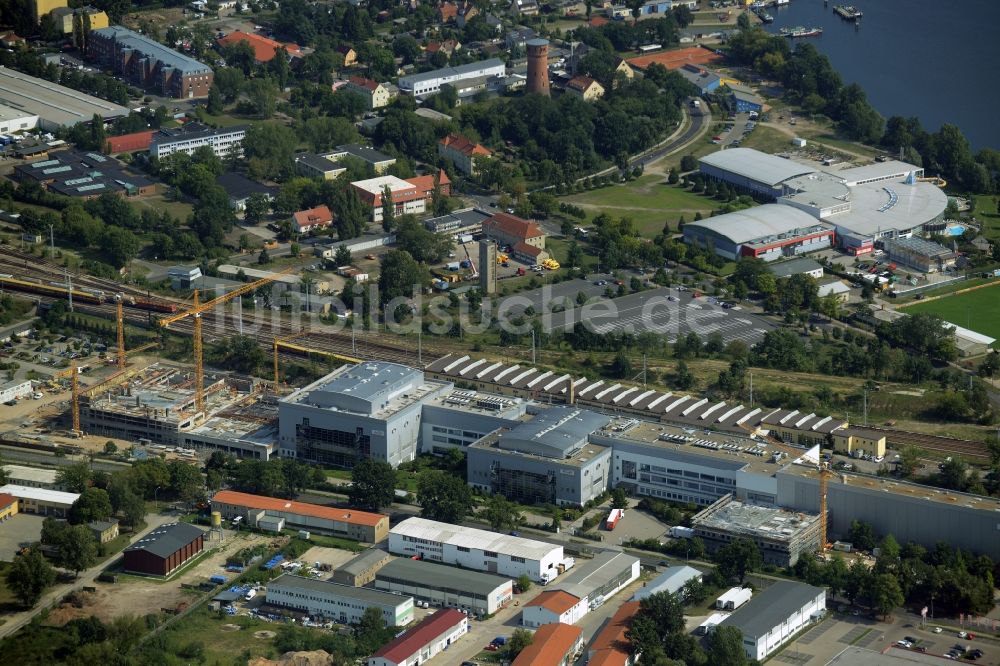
[(619, 498), (74, 478), (215, 105), (78, 550), (186, 482), (29, 575), (862, 535), (257, 208), (501, 513), (388, 209), (621, 366), (400, 276), (373, 485), (725, 646), (886, 594), (519, 639), (342, 257), (264, 257), (524, 583), (443, 497), (133, 510), (93, 504), (239, 353), (683, 377), (738, 558), (909, 460)]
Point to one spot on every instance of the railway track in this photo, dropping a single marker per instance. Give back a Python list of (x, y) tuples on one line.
[(972, 450)]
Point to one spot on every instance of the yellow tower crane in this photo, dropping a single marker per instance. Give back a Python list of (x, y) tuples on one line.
[(196, 311), (72, 373)]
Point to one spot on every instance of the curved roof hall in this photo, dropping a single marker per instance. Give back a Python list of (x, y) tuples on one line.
[(751, 224), (756, 165)]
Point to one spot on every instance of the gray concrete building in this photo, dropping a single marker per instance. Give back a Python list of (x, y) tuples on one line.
[(680, 465), (600, 577), (459, 418), (780, 535), (342, 603), (908, 511), (549, 459), (441, 585), (369, 410), (361, 570)]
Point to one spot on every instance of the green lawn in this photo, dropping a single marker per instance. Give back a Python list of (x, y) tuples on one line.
[(988, 216), (648, 201), (976, 310), (159, 202), (767, 140)]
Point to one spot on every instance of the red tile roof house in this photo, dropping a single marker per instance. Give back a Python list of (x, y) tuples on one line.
[(462, 153), (611, 646), (510, 230), (431, 636), (263, 48), (305, 221), (447, 12)]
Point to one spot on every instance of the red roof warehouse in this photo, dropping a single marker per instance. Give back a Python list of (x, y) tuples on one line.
[(432, 635), (163, 550)]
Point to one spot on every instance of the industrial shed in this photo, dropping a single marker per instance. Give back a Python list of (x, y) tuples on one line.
[(164, 550)]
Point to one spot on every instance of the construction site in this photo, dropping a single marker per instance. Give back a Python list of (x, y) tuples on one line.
[(158, 406)]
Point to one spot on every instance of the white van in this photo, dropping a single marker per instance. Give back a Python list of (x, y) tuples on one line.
[(251, 594)]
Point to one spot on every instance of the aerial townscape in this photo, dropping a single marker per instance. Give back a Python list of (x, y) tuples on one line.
[(499, 333)]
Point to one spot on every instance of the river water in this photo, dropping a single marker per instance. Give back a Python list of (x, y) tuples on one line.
[(938, 60)]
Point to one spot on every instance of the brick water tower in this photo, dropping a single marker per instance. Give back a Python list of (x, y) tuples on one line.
[(538, 66)]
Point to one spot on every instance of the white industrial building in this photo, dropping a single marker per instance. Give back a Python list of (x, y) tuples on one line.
[(672, 580), (16, 120), (15, 390), (343, 603), (41, 501), (774, 615), (554, 607), (477, 549), (429, 83), (31, 477), (431, 636)]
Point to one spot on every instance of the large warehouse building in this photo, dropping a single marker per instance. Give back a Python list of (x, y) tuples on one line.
[(440, 585), (349, 523), (164, 550), (54, 105), (477, 549), (774, 615), (863, 205)]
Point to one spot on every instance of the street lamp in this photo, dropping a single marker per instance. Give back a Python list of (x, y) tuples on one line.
[(156, 502)]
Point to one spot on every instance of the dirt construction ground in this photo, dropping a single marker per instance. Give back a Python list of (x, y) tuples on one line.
[(134, 595)]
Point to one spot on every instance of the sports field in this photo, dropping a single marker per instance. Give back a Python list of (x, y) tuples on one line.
[(977, 310)]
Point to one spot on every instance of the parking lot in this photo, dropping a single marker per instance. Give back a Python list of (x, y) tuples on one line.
[(665, 311), (19, 531)]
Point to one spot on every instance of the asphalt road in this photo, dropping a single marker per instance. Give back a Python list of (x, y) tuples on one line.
[(700, 118)]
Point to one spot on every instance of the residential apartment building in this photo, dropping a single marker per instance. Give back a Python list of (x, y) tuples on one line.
[(148, 64), (375, 94), (407, 197), (462, 153)]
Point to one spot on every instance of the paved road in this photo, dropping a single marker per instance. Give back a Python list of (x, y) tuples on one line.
[(17, 620), (700, 119)]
